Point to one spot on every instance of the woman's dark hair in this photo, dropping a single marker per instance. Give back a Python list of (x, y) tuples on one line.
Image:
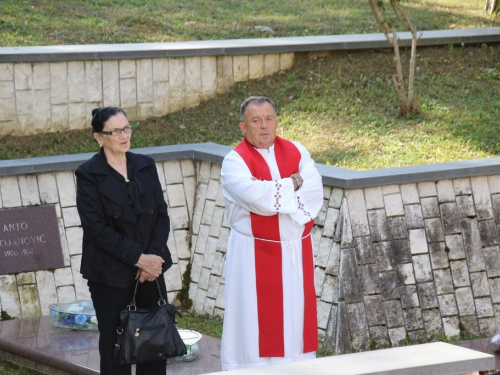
[(101, 115)]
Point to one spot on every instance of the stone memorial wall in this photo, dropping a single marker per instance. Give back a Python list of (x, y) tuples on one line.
[(397, 263)]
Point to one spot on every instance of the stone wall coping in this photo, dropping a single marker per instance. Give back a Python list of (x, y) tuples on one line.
[(332, 176), (242, 46)]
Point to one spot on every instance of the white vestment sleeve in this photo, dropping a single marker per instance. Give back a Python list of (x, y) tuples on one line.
[(265, 198), (309, 198)]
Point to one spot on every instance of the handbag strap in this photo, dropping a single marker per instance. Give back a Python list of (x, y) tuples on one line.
[(160, 300)]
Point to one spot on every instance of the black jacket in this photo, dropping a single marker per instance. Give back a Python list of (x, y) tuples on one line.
[(120, 220)]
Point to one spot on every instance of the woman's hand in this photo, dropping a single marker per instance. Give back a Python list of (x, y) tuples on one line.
[(149, 267)]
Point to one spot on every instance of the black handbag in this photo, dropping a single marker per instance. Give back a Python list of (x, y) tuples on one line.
[(147, 335)]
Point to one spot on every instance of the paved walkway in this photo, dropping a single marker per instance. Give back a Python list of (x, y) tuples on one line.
[(35, 343)]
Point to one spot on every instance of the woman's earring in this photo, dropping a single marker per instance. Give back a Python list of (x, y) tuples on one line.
[(100, 145)]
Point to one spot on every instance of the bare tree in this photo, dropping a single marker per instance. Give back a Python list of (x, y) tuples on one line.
[(408, 102), (492, 6)]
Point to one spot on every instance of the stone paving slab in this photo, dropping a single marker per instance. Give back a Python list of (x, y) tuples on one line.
[(243, 46), (35, 343)]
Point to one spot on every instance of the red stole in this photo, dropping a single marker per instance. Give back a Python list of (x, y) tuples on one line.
[(268, 264)]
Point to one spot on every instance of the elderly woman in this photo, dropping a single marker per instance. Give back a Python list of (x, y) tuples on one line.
[(125, 230)]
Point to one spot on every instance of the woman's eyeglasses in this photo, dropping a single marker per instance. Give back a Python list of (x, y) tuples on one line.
[(117, 132)]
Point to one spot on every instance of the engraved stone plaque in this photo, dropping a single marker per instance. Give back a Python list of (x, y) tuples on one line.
[(29, 239)]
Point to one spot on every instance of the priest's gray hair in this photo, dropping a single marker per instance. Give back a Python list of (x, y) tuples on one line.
[(255, 100)]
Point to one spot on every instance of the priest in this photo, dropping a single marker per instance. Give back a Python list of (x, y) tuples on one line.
[(273, 193)]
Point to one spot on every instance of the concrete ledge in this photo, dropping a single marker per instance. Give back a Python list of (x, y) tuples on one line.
[(332, 176), (430, 359), (242, 46)]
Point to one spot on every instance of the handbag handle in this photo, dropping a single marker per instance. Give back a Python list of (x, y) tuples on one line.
[(161, 300)]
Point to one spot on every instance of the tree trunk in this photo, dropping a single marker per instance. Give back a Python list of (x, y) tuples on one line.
[(491, 6)]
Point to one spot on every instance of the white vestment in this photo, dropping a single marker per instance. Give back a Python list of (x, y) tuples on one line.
[(243, 194)]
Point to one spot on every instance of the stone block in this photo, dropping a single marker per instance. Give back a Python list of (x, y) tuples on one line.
[(42, 116), (494, 285), (349, 276), (484, 307), (384, 256), (286, 60), (240, 68), (432, 322), (492, 260), (445, 191), (63, 276), (451, 326), (484, 325), (480, 287), (29, 190), (495, 201), (220, 302), (333, 261), (145, 81), (393, 205), (30, 305), (390, 189), (427, 189), (380, 336), (204, 172), (209, 255), (204, 279), (25, 278), (413, 319), (443, 281), (462, 186), (451, 220), (212, 189), (447, 305), (225, 75), (189, 191), (427, 295), (160, 70), (393, 314), (364, 250), (23, 76), (409, 194), (197, 262), (488, 232), (320, 218), (215, 171), (76, 81), (465, 206), (319, 278), (413, 216), (128, 93), (59, 83), (187, 168), (397, 227), (331, 220), (173, 172), (323, 252), (9, 191), (213, 286), (193, 81), (218, 263), (111, 85), (494, 183), (472, 245), (208, 211), (47, 187), (271, 63), (173, 278), (374, 198), (41, 76), (439, 257), (328, 294), (409, 296), (60, 117), (405, 274), (67, 189), (208, 77), (482, 197), (179, 218), (202, 239), (369, 279), (430, 207), (388, 282), (6, 72), (26, 124), (77, 116), (471, 325), (357, 210), (323, 314), (460, 273), (255, 66), (378, 225), (422, 268), (66, 294), (358, 325), (176, 196), (418, 241), (336, 198), (331, 330), (402, 251), (46, 290), (74, 236), (375, 314), (216, 223), (209, 306), (71, 217), (24, 102), (465, 301), (161, 95), (7, 110), (199, 301), (455, 247), (6, 90)]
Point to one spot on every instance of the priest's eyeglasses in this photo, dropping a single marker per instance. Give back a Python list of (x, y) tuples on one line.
[(116, 132)]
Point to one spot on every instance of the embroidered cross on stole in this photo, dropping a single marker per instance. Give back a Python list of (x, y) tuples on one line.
[(268, 263)]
